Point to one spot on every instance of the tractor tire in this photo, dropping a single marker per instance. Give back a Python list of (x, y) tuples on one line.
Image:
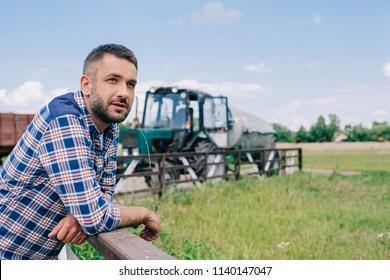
[(199, 161)]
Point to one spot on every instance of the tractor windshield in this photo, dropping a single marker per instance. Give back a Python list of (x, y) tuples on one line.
[(165, 110)]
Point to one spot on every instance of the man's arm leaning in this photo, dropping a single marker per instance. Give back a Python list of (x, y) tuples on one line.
[(69, 231)]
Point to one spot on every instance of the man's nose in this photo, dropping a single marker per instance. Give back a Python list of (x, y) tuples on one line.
[(123, 90)]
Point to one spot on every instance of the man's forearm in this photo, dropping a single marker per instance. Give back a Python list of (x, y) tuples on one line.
[(133, 216)]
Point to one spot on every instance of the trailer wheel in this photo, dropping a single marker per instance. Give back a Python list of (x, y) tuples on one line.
[(153, 181), (272, 164)]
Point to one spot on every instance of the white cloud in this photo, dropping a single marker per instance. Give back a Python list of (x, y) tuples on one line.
[(3, 93), (316, 19), (26, 94), (258, 68), (27, 98), (214, 13), (386, 69)]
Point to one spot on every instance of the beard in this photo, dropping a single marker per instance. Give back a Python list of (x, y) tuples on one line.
[(100, 108)]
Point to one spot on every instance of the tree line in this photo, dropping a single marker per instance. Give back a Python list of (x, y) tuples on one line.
[(331, 131)]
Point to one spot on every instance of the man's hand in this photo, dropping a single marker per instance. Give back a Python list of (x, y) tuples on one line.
[(133, 216), (68, 230), (152, 227)]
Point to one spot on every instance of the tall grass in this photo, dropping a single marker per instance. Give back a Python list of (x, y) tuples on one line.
[(302, 216)]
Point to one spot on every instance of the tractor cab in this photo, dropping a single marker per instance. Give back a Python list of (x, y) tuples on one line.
[(189, 114)]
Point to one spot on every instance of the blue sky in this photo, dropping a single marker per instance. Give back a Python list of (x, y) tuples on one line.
[(283, 61)]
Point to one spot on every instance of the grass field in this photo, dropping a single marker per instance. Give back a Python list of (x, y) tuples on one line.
[(303, 216), (366, 156)]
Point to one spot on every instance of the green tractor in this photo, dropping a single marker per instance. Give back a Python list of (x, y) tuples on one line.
[(179, 120)]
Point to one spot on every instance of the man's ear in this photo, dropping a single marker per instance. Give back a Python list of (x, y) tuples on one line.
[(85, 84)]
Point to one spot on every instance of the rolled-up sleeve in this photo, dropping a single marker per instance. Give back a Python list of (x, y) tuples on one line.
[(65, 153)]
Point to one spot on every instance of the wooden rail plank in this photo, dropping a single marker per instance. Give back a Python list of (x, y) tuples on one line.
[(121, 244)]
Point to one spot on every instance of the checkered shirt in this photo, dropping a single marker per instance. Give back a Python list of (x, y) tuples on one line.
[(59, 166)]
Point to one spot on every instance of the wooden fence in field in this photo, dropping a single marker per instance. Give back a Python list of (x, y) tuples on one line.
[(234, 163)]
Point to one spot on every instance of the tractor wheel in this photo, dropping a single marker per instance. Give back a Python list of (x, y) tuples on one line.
[(199, 161), (153, 181)]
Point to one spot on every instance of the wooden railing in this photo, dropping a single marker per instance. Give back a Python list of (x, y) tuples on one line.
[(121, 244)]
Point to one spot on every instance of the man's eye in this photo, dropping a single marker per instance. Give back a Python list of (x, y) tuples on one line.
[(130, 85), (113, 80)]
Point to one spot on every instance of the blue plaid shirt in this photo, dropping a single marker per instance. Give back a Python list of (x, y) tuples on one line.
[(59, 166)]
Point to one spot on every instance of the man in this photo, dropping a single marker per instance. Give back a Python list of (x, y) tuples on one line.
[(56, 186)]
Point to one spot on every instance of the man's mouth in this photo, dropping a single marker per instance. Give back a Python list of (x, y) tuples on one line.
[(119, 104)]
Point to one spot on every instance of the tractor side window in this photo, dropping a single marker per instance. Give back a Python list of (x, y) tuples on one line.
[(209, 116), (215, 112), (220, 112)]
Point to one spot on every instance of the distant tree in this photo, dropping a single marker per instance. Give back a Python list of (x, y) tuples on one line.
[(323, 132), (379, 129), (360, 134), (302, 135), (334, 126), (319, 132), (284, 133)]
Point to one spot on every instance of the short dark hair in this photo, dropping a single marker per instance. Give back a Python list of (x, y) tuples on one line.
[(97, 54)]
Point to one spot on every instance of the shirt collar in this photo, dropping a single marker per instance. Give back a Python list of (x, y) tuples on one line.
[(79, 97)]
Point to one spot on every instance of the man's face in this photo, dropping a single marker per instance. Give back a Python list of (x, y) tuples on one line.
[(112, 91)]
